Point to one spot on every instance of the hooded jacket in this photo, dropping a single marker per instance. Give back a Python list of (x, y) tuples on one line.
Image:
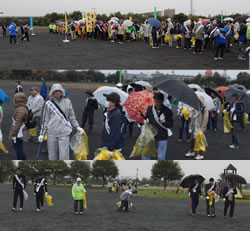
[(52, 124), (35, 104), (77, 191), (12, 29), (20, 113), (199, 31)]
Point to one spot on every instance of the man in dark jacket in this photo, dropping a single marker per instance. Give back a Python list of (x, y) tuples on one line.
[(195, 193), (161, 118), (91, 105), (210, 190), (112, 134), (19, 184), (236, 112), (229, 197), (40, 188)]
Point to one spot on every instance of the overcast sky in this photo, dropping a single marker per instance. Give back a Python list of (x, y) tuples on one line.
[(208, 168), (201, 7)]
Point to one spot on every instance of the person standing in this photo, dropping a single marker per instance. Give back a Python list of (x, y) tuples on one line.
[(214, 114), (146, 30), (78, 192), (229, 34), (170, 31), (242, 40), (40, 189), (58, 121), (91, 105), (154, 37), (19, 87), (26, 33), (178, 31), (73, 31), (198, 34), (210, 190), (18, 128), (12, 32), (19, 184), (220, 41), (194, 193), (161, 118), (236, 113), (229, 193), (4, 28), (44, 90), (126, 197), (121, 31)]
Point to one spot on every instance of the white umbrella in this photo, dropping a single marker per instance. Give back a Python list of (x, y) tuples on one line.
[(188, 22), (128, 23), (208, 101), (248, 92), (115, 19), (195, 86), (228, 19), (107, 90), (248, 20), (144, 84)]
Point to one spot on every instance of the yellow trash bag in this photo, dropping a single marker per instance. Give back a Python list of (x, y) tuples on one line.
[(80, 147), (3, 148), (84, 200), (200, 142), (245, 119), (227, 123), (177, 37), (142, 36), (104, 154), (151, 41), (48, 198), (193, 41), (167, 38), (33, 132), (145, 144), (124, 37), (211, 196), (185, 112), (236, 36)]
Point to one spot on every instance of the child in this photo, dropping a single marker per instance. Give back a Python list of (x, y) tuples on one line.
[(78, 192)]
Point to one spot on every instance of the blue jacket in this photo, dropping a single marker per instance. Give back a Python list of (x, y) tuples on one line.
[(221, 37), (44, 90), (113, 130), (12, 29), (243, 33), (228, 30)]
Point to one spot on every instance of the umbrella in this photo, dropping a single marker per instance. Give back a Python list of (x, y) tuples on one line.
[(239, 87), (248, 92), (204, 21), (144, 84), (228, 19), (107, 90), (248, 20), (180, 91), (114, 19), (222, 88), (209, 91), (135, 86), (236, 178), (137, 105), (196, 86), (208, 101), (188, 180), (4, 97), (128, 23), (154, 22), (239, 19)]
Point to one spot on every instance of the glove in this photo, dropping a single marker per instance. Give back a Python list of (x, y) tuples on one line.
[(190, 131), (34, 194), (224, 199), (80, 130), (207, 198), (14, 139), (46, 193), (40, 138), (111, 154), (162, 118)]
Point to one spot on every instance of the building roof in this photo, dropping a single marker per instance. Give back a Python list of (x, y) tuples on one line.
[(230, 167)]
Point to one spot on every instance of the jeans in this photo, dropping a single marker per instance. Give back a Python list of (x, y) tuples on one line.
[(12, 37), (19, 149), (242, 48), (162, 146), (235, 134), (38, 124), (184, 125), (210, 208), (221, 48)]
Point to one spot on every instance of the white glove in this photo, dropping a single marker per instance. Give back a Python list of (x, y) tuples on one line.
[(224, 199), (162, 118), (207, 197), (46, 193), (190, 131), (13, 139), (41, 138), (80, 130), (34, 194), (111, 154)]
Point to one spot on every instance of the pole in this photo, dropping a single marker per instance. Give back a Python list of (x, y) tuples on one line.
[(32, 26), (155, 13), (121, 76), (66, 28)]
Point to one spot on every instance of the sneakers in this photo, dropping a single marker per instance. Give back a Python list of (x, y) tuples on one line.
[(76, 213), (194, 52), (215, 58), (81, 213), (199, 157), (13, 209), (38, 210), (209, 215), (220, 58), (153, 47), (190, 154), (21, 209), (179, 140), (232, 146), (241, 58)]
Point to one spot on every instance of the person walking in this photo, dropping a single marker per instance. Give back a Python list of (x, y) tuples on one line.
[(78, 192), (26, 33), (194, 193), (229, 193), (184, 114), (4, 28), (210, 192), (126, 197), (58, 122), (40, 189), (19, 184)]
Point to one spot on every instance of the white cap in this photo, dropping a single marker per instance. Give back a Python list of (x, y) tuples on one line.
[(78, 179), (119, 85)]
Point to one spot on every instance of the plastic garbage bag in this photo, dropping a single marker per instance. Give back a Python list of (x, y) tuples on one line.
[(227, 123), (104, 154), (167, 38), (245, 119), (185, 112), (177, 37), (79, 145), (48, 198), (145, 144), (3, 148), (200, 142), (33, 132), (84, 200), (193, 41)]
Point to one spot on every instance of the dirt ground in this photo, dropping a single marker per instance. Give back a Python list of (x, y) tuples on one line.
[(47, 51), (150, 214), (217, 142)]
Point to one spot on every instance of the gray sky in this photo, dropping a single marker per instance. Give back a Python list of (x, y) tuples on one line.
[(201, 7)]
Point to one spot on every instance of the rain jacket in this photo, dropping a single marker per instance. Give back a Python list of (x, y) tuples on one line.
[(146, 29), (35, 104), (20, 114), (220, 35), (199, 32), (126, 195), (77, 191), (12, 29), (243, 33), (236, 111), (44, 90), (52, 124)]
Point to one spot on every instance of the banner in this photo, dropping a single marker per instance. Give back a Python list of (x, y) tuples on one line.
[(94, 18), (89, 22), (31, 22), (66, 22), (130, 18), (221, 16), (155, 13)]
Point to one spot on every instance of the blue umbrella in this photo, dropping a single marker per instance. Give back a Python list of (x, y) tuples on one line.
[(154, 22), (4, 97)]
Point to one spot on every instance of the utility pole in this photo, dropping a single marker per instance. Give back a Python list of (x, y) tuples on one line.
[(191, 7)]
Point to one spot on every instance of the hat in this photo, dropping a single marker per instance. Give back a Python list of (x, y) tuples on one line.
[(134, 191), (211, 179), (34, 88), (78, 179), (89, 93), (235, 95), (113, 97), (119, 85)]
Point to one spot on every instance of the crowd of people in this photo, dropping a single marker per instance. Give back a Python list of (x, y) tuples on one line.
[(50, 117)]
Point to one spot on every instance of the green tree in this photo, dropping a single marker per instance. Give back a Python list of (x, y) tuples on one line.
[(7, 168), (180, 17), (80, 169), (168, 170), (104, 169), (76, 15)]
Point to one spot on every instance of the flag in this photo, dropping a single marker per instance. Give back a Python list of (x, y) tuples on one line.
[(31, 22), (221, 16), (121, 76), (66, 22), (155, 12), (130, 18), (89, 21)]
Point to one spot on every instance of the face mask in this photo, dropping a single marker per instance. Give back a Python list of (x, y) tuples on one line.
[(106, 104)]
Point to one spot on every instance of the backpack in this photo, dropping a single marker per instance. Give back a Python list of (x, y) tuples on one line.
[(73, 27), (30, 122), (248, 33)]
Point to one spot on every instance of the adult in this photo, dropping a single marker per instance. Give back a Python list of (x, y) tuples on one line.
[(229, 193), (58, 121), (78, 192), (19, 87), (178, 31), (154, 37), (214, 114), (19, 184), (146, 30), (194, 193), (199, 35), (242, 40), (184, 114), (170, 31), (220, 41), (40, 189), (121, 31), (210, 192), (126, 197), (26, 33), (4, 28), (73, 31), (12, 32), (44, 90)]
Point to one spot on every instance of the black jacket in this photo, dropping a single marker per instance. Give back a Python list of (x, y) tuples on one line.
[(239, 112), (194, 194), (162, 133), (226, 189), (42, 188), (16, 185), (91, 104), (208, 186)]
